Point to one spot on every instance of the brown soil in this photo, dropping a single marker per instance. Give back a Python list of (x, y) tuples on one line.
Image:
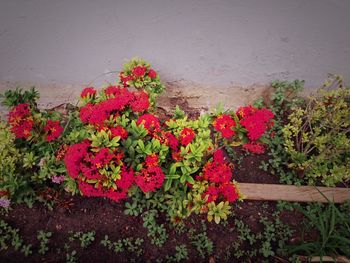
[(108, 218)]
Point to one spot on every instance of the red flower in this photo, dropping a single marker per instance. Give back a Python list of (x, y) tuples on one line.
[(152, 74), (186, 136), (119, 131), (113, 91), (125, 79), (217, 171), (150, 122), (115, 195), (171, 140), (151, 160), (246, 111), (212, 193), (257, 123), (224, 124), (21, 121), (254, 147), (88, 92), (23, 129), (229, 192), (74, 156), (53, 130), (150, 178), (141, 102), (176, 156), (89, 190), (103, 157), (139, 71), (126, 180)]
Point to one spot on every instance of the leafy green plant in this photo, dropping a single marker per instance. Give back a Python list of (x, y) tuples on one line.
[(44, 238), (9, 236), (85, 239), (71, 257), (262, 244), (317, 137), (181, 254), (129, 244), (333, 227), (218, 212), (283, 98), (203, 244), (156, 232), (14, 97)]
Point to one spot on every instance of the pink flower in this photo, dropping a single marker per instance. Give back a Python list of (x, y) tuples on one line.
[(4, 202), (57, 179)]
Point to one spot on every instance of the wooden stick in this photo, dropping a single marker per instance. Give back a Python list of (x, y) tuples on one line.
[(293, 193), (340, 259)]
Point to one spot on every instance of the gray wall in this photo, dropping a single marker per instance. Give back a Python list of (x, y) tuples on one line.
[(219, 42)]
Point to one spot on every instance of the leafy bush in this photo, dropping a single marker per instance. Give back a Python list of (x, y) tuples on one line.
[(32, 148), (317, 137), (283, 98), (12, 183), (114, 145)]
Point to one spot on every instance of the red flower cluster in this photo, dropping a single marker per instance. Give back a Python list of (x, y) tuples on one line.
[(124, 79), (151, 177), (186, 136), (139, 71), (150, 122), (118, 99), (21, 121), (74, 157), (151, 160), (96, 114), (53, 130), (218, 173), (224, 124), (114, 91), (255, 121), (171, 141), (84, 165), (254, 147), (119, 131), (152, 74), (88, 92), (141, 101)]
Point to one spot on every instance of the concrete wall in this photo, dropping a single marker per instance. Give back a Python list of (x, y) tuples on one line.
[(222, 43)]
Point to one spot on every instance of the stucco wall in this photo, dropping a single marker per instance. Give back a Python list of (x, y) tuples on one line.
[(209, 49), (212, 42)]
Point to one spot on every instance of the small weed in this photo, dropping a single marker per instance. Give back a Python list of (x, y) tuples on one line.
[(44, 238)]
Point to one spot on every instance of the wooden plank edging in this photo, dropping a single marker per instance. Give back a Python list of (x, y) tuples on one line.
[(292, 193)]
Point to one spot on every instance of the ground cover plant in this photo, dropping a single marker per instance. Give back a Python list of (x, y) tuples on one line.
[(160, 187)]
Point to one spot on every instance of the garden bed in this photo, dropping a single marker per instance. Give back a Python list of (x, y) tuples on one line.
[(118, 179)]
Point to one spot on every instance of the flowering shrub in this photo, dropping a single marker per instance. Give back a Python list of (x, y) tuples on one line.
[(247, 126), (37, 139), (115, 146)]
